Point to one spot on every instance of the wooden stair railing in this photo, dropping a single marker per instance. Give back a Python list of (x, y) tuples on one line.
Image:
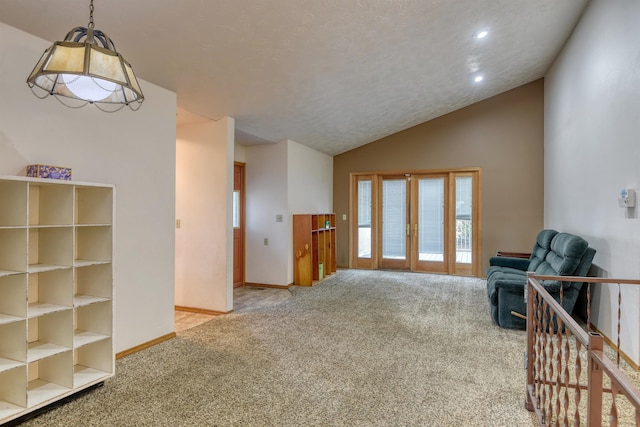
[(565, 360)]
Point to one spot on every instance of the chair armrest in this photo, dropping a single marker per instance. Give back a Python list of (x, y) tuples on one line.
[(503, 261), (525, 255), (514, 286)]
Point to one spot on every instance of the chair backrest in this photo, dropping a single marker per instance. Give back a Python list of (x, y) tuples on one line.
[(566, 253), (541, 248)]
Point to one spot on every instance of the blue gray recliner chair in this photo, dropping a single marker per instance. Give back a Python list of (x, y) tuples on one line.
[(554, 254)]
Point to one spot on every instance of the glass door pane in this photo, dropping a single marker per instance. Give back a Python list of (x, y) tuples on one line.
[(236, 209), (429, 223), (394, 229), (467, 218), (364, 218), (464, 220), (431, 219)]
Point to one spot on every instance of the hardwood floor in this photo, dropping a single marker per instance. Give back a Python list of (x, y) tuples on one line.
[(245, 298)]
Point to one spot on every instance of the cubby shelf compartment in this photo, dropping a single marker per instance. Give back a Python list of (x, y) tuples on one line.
[(13, 298), (50, 248), (13, 251), (13, 391), (92, 245), (93, 205), (15, 212), (50, 378), (56, 289), (50, 204), (91, 364), (13, 349), (92, 323), (49, 335), (50, 291), (92, 284)]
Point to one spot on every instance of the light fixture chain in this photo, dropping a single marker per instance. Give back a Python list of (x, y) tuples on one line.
[(91, 25)]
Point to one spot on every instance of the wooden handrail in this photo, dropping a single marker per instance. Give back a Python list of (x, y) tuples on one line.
[(618, 378), (540, 372), (586, 279)]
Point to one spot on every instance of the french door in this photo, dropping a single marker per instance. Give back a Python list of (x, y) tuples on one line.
[(394, 223), (430, 223), (417, 221)]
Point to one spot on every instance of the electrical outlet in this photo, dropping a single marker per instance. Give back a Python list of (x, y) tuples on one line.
[(266, 241), (177, 223), (344, 217)]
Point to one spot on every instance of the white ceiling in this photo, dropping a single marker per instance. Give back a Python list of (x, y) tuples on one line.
[(329, 74)]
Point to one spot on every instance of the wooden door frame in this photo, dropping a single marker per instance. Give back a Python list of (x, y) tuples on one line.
[(243, 210)]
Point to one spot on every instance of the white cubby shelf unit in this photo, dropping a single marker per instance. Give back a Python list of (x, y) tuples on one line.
[(56, 291)]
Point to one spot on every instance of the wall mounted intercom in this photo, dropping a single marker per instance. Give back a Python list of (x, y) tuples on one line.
[(627, 198)]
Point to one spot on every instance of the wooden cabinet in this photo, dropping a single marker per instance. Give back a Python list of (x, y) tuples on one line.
[(314, 247), (56, 275)]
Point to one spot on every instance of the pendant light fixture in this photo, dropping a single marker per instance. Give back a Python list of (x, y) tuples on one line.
[(86, 69)]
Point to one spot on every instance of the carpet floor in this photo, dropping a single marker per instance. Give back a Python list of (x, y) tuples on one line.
[(362, 348)]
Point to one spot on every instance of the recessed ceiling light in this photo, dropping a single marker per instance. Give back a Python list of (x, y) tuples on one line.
[(478, 79), (480, 34)]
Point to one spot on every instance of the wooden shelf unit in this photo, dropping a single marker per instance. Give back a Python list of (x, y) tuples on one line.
[(314, 247), (56, 290)]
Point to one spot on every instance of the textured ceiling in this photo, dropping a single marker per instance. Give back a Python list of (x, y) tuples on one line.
[(329, 74)]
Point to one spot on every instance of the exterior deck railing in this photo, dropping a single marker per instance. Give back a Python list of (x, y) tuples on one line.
[(463, 234), (570, 378)]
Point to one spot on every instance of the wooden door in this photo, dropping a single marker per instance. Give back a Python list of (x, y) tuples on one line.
[(238, 224), (429, 223)]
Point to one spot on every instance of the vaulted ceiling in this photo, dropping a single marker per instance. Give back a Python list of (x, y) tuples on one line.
[(329, 74)]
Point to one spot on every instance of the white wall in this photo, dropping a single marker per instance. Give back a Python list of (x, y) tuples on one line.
[(266, 197), (133, 150), (240, 153), (204, 241), (592, 126), (310, 185), (282, 179), (310, 180)]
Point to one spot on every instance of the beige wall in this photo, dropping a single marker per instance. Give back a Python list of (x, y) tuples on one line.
[(502, 135)]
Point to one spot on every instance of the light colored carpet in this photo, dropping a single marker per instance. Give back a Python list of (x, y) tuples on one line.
[(362, 348)]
